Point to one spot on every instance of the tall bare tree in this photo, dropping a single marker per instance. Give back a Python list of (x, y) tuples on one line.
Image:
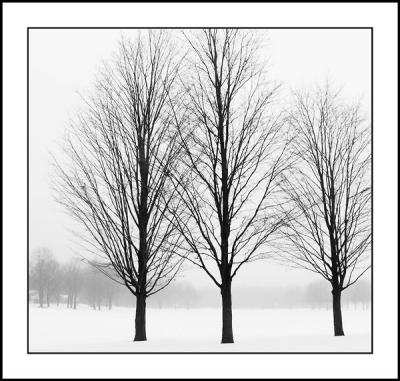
[(116, 183), (232, 162), (329, 190)]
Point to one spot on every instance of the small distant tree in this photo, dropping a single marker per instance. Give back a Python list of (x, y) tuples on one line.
[(53, 280), (316, 294), (73, 279), (90, 288), (110, 290), (43, 274), (58, 284), (360, 294), (329, 192), (97, 287)]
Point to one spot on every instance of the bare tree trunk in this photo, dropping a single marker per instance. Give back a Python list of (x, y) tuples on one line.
[(337, 313), (140, 318), (227, 331), (75, 302)]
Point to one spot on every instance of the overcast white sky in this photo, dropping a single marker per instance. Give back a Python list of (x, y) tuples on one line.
[(64, 62)]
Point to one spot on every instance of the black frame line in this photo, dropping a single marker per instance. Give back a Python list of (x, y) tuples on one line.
[(212, 353)]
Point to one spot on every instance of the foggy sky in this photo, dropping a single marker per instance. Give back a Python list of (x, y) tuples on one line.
[(63, 63)]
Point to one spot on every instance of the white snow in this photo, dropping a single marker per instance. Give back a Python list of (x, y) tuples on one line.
[(58, 329)]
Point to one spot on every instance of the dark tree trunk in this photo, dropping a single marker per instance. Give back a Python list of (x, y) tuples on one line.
[(337, 313), (227, 331), (143, 218), (48, 299), (74, 302), (140, 318)]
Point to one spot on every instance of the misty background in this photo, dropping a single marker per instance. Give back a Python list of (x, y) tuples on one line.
[(75, 283)]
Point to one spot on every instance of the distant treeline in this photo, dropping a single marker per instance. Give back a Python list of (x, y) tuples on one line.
[(75, 282), (314, 295)]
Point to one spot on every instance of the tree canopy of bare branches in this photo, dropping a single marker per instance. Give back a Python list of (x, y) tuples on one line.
[(233, 157), (115, 182), (329, 192)]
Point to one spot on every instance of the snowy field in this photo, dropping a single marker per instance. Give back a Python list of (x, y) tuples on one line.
[(58, 329)]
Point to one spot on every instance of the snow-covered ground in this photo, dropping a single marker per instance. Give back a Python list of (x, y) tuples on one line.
[(58, 329)]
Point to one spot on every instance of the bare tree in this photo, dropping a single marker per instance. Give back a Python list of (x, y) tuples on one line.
[(329, 229), (122, 150), (232, 162)]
